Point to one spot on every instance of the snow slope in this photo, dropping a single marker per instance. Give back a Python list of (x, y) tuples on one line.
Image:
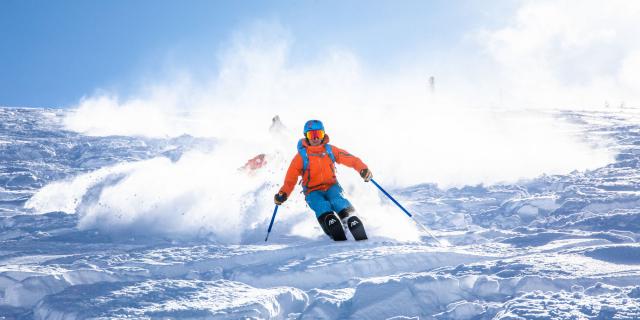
[(559, 246)]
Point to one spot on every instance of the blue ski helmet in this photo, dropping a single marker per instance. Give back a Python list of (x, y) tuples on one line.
[(312, 125)]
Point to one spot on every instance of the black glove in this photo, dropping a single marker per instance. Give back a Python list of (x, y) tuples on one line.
[(366, 174), (280, 197)]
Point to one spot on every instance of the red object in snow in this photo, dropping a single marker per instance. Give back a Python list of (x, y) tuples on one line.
[(255, 163)]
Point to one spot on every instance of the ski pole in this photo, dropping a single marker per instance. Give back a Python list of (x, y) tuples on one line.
[(405, 211), (273, 218)]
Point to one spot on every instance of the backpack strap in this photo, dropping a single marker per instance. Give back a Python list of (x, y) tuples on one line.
[(305, 160), (330, 152), (303, 153)]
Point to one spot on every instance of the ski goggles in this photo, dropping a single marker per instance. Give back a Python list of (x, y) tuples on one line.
[(315, 134)]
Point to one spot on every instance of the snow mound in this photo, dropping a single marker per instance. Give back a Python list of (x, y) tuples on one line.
[(622, 254), (220, 299), (114, 226), (568, 305)]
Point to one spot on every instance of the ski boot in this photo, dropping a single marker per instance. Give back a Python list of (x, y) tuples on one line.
[(353, 223), (331, 225)]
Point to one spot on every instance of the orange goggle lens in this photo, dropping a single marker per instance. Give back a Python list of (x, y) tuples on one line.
[(315, 134)]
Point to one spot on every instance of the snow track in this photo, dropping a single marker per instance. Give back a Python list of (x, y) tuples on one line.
[(552, 247)]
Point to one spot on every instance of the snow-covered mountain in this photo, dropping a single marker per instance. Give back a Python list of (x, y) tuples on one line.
[(102, 227)]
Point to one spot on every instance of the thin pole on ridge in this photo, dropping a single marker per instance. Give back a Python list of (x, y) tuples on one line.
[(406, 212)]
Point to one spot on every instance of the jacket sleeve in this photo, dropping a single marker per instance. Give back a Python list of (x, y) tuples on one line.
[(294, 171), (345, 158)]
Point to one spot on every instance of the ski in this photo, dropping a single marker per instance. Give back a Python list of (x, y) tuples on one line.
[(334, 228), (357, 228)]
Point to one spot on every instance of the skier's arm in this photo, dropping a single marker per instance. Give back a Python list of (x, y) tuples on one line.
[(345, 158), (294, 171)]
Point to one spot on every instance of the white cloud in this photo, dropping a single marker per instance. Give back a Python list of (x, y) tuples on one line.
[(567, 53)]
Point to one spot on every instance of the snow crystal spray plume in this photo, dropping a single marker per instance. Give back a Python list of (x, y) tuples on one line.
[(405, 135)]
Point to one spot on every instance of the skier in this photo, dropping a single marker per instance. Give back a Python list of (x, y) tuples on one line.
[(315, 163), (276, 130)]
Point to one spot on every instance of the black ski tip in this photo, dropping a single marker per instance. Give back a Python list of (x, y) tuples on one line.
[(357, 228), (334, 227)]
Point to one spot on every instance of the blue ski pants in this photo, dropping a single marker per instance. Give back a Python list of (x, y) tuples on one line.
[(327, 201)]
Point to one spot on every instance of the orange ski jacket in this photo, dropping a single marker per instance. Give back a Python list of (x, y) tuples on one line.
[(321, 171)]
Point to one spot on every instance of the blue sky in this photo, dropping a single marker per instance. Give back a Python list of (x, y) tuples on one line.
[(52, 53)]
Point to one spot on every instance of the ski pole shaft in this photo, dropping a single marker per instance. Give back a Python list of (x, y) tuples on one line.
[(427, 230), (273, 218), (392, 199), (405, 211)]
